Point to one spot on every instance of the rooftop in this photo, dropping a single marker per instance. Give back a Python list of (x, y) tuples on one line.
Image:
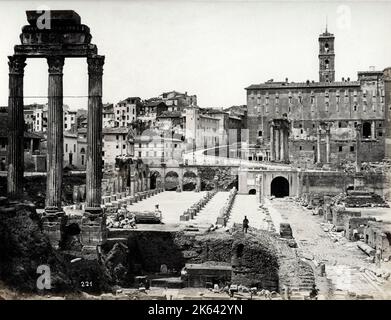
[(303, 85)]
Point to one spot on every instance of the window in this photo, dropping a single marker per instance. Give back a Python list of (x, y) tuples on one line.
[(124, 146), (74, 148), (65, 125), (301, 131), (66, 147), (313, 147), (139, 154), (103, 154), (354, 108), (82, 158), (260, 133), (339, 124), (340, 148), (117, 137), (380, 133), (300, 148), (117, 146), (351, 148)]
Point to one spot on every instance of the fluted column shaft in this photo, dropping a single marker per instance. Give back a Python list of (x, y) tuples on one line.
[(286, 145), (94, 135), (15, 150), (277, 143), (272, 145), (318, 146), (282, 147), (358, 142), (328, 146), (55, 141)]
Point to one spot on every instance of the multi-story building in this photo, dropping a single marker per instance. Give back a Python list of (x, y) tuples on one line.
[(323, 115), (154, 149), (70, 120), (117, 141), (150, 110), (125, 111), (177, 101), (108, 117), (202, 130), (70, 148)]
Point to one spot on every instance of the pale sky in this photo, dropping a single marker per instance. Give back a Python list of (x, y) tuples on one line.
[(213, 49)]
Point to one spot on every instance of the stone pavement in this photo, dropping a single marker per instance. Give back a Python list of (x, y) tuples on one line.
[(171, 203), (342, 258), (245, 204)]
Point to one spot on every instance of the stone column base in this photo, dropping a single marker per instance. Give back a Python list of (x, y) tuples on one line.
[(93, 230), (53, 224)]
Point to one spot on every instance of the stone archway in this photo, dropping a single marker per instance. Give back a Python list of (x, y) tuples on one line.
[(252, 191), (171, 181), (189, 181), (279, 187)]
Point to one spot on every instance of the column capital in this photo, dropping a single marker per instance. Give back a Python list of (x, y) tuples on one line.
[(95, 65), (56, 64), (16, 64)]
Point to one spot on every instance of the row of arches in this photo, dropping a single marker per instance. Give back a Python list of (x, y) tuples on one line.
[(172, 181)]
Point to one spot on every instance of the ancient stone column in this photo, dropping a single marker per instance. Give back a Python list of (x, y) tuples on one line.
[(277, 143), (282, 146), (132, 185), (94, 135), (328, 145), (373, 129), (358, 142), (55, 140), (286, 145), (318, 145), (93, 229), (15, 157), (272, 146)]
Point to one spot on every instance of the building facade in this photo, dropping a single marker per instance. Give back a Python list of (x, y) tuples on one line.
[(125, 111), (323, 115)]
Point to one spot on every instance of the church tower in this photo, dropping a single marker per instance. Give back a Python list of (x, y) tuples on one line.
[(326, 57)]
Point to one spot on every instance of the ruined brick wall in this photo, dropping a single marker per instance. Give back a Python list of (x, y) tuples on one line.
[(337, 182), (265, 261), (356, 223), (340, 216)]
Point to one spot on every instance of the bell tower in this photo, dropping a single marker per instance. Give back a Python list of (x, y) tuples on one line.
[(326, 57)]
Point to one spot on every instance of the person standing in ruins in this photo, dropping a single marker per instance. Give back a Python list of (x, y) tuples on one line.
[(245, 224)]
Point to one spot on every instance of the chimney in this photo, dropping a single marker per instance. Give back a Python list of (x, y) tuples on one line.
[(371, 68)]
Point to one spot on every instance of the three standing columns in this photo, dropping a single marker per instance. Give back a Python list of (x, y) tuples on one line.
[(15, 152), (279, 142)]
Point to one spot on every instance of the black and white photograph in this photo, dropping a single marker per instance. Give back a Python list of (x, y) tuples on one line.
[(204, 150)]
